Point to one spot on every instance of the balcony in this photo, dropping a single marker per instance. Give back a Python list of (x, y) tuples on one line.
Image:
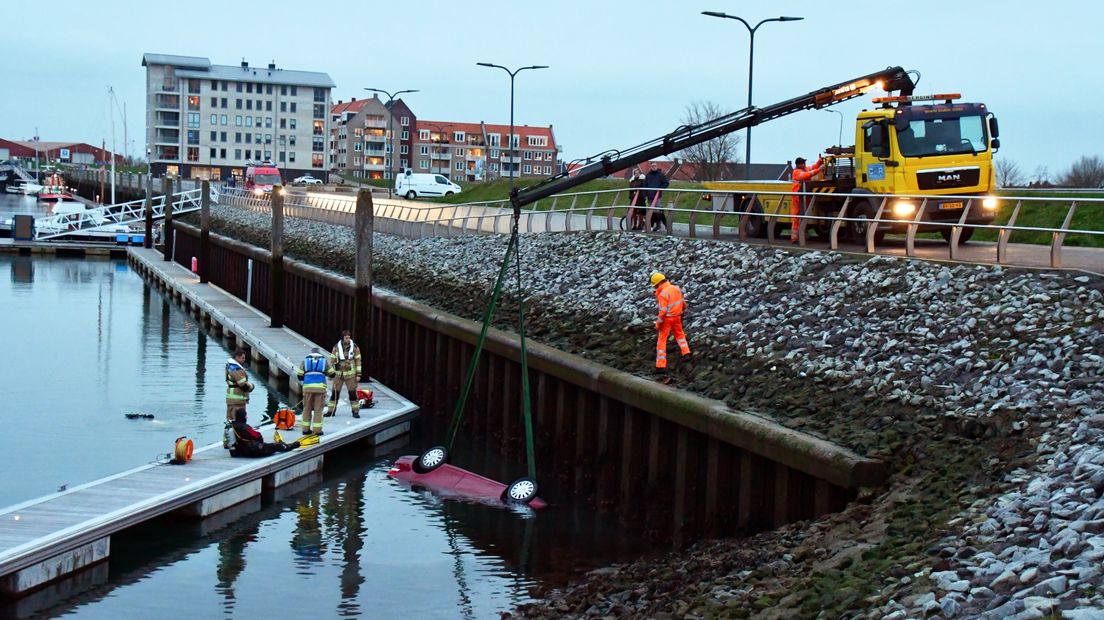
[(442, 155), (510, 160), (375, 137), (167, 136), (167, 102), (167, 119), (378, 124)]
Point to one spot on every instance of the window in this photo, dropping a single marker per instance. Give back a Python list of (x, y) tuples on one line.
[(256, 154), (249, 121), (319, 110), (423, 134), (320, 95), (404, 149), (405, 135), (193, 102), (248, 104), (268, 155), (249, 87), (294, 92), (259, 105), (237, 154), (291, 156), (405, 121), (514, 141), (268, 122), (283, 123), (283, 106), (292, 123), (538, 140), (458, 136), (494, 167), (942, 136), (424, 150), (238, 103), (268, 89), (548, 169), (213, 153), (258, 121), (193, 89), (222, 136), (424, 164), (292, 107), (268, 106), (318, 144), (193, 137), (238, 120), (256, 138), (404, 163), (214, 102), (214, 119), (214, 136), (291, 140), (528, 169), (459, 165), (317, 160), (193, 153), (224, 87), (249, 138), (493, 139), (283, 156), (494, 153), (318, 126), (356, 146), (193, 119), (459, 152), (239, 86), (283, 90), (268, 138), (237, 137)]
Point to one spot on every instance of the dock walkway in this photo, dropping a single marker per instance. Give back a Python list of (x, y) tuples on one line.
[(47, 538)]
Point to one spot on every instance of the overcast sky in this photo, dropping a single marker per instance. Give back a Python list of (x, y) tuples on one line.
[(621, 72)]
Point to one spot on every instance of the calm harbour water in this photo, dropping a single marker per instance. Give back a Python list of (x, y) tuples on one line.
[(88, 341)]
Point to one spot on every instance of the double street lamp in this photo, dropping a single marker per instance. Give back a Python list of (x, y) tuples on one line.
[(391, 133), (510, 138), (751, 66)]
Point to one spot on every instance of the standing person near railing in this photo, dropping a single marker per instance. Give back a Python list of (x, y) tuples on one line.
[(655, 179), (637, 201), (800, 175)]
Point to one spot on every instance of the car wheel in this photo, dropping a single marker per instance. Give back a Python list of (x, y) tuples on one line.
[(521, 491), (411, 195), (449, 193), (967, 234), (430, 459)]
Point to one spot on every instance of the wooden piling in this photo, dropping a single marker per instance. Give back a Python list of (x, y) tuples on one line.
[(166, 190), (362, 292), (147, 242), (205, 233), (276, 268)]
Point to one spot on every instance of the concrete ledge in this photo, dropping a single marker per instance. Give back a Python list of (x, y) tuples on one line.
[(294, 472), (388, 434), (56, 567), (222, 501)]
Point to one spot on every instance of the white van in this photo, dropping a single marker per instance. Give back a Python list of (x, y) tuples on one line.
[(411, 185)]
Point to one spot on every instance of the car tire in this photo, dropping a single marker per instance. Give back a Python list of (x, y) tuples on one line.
[(449, 193), (410, 195), (521, 491), (430, 460), (967, 234)]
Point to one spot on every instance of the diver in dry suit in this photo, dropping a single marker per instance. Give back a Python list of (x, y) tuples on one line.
[(250, 443)]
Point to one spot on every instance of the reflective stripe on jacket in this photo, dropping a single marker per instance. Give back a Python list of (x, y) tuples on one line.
[(346, 362), (237, 382), (669, 298)]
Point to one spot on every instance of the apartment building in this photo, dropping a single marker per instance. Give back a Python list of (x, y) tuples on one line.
[(207, 121), (361, 142), (481, 151)]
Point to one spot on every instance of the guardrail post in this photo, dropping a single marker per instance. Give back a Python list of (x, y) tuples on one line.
[(362, 293), (166, 189), (1005, 233), (1057, 238), (833, 234), (910, 237), (548, 215), (590, 211), (205, 232), (956, 232), (803, 222), (570, 212), (276, 269), (147, 242), (872, 227)]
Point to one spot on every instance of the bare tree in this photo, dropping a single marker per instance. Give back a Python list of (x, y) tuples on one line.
[(1008, 173), (1042, 176), (1085, 172), (711, 158)]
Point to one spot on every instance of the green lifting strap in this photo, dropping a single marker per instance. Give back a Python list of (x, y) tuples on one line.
[(512, 249)]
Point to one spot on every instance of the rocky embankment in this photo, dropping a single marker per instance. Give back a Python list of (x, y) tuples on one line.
[(981, 386)]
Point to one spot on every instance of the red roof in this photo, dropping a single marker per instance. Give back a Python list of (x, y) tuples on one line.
[(354, 106)]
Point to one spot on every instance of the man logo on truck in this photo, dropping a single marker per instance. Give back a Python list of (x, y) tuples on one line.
[(949, 178)]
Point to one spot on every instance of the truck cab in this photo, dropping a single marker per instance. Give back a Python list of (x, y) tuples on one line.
[(262, 178)]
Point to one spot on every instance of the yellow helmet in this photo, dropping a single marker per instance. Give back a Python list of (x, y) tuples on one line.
[(657, 278)]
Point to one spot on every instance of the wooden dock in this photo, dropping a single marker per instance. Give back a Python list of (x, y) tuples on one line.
[(51, 537)]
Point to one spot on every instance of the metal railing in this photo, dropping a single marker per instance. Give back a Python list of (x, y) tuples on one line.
[(612, 210), (110, 219)]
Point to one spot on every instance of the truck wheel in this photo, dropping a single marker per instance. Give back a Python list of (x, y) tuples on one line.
[(857, 230), (754, 227), (430, 459), (967, 234), (521, 491), (410, 195)]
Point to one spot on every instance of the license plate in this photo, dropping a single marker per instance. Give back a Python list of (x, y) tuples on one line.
[(950, 205)]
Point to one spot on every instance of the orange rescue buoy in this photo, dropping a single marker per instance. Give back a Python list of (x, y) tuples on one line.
[(284, 419)]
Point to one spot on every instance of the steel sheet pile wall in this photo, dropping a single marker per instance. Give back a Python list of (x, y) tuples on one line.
[(686, 465)]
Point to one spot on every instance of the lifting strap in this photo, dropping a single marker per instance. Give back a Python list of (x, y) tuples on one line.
[(512, 250)]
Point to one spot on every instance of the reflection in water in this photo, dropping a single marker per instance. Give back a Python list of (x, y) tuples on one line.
[(231, 562), (22, 270)]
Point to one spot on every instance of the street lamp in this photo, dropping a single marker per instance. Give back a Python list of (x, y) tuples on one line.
[(840, 141), (751, 66), (510, 138), (391, 132)]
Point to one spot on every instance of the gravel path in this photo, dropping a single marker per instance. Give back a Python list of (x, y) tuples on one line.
[(981, 387)]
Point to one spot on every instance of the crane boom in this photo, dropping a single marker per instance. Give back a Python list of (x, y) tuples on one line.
[(890, 79)]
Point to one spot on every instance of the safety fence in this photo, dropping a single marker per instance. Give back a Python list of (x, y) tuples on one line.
[(111, 219), (857, 220)]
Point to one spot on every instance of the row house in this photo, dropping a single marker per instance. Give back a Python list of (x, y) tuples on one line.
[(481, 151), (361, 140)]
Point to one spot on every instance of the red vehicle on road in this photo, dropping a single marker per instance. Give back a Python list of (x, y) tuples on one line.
[(263, 178)]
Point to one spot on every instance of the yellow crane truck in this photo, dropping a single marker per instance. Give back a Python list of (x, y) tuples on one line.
[(906, 157)]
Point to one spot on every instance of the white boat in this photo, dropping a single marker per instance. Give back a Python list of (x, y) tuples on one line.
[(25, 188)]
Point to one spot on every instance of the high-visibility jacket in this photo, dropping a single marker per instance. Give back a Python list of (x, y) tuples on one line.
[(312, 372), (345, 360), (801, 175), (669, 298), (238, 386)]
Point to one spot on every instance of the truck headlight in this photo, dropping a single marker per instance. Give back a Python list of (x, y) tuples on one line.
[(903, 209), (257, 191), (989, 203)]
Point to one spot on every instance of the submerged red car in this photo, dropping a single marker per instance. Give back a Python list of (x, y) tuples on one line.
[(430, 470)]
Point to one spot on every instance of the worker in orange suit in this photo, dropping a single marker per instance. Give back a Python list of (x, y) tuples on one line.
[(800, 175), (671, 307)]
